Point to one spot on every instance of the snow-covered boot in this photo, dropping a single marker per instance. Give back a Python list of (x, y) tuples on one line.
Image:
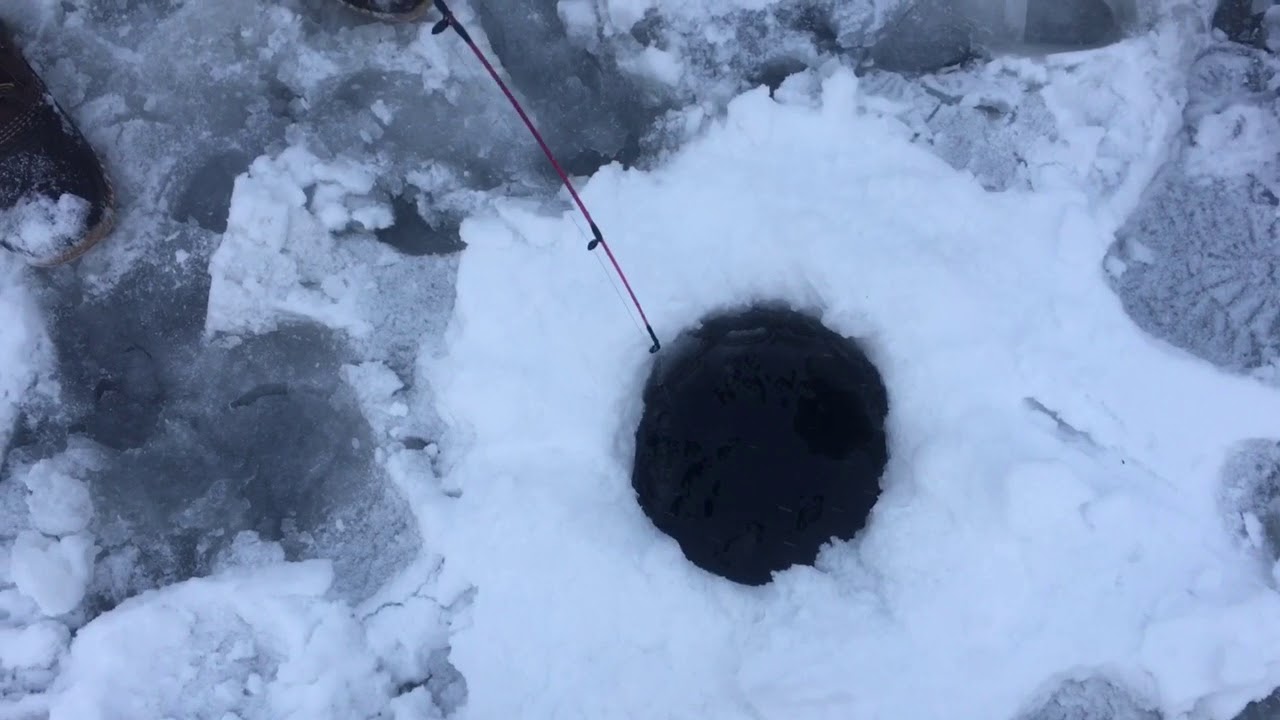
[(55, 199), (394, 10)]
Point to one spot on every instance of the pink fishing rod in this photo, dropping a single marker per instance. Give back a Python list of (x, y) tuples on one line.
[(449, 21)]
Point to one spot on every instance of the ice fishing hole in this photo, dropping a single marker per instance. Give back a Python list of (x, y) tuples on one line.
[(762, 438)]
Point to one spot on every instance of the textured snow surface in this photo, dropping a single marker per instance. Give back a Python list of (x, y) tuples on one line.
[(1198, 260), (338, 423), (1050, 503), (261, 643)]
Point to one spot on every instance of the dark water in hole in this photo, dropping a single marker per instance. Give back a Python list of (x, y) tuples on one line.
[(762, 438), (1268, 708)]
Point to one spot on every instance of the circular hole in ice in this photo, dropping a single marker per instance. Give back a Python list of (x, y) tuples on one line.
[(762, 438)]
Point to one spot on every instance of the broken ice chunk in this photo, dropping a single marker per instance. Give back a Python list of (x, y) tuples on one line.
[(59, 502), (53, 573)]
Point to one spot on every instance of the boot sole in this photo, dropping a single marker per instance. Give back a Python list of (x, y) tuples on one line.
[(106, 223), (403, 17), (95, 234)]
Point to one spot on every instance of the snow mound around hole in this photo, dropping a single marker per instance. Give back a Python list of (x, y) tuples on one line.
[(1050, 502)]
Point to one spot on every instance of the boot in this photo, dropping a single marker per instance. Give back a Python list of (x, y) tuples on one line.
[(393, 10), (55, 199)]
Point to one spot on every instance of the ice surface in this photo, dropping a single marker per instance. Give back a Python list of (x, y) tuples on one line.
[(217, 452), (181, 458), (198, 442), (1078, 23), (270, 440), (586, 105), (926, 36), (1242, 20), (269, 299), (1198, 260), (1016, 123), (929, 35), (1251, 496)]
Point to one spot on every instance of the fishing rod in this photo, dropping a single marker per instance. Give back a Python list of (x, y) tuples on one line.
[(448, 20)]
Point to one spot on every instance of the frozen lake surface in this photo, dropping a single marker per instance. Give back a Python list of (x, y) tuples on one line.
[(339, 423)]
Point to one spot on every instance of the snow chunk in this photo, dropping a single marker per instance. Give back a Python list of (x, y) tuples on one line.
[(285, 258), (248, 549), (381, 111), (378, 390), (276, 259), (661, 65), (53, 573), (59, 501), (415, 705), (580, 19), (24, 345), (42, 228), (35, 646), (259, 644)]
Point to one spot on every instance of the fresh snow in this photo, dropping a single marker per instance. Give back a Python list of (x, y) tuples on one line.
[(1078, 519)]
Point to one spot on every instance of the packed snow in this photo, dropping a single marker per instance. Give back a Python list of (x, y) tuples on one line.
[(339, 422)]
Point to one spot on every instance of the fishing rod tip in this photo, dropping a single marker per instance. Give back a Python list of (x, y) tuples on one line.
[(656, 344)]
